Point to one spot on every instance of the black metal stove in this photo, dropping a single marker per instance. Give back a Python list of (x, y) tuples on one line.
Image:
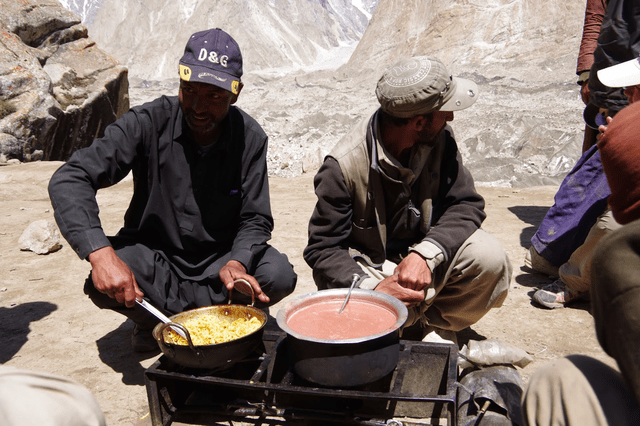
[(263, 390)]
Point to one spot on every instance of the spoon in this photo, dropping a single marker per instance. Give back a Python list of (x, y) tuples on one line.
[(162, 317), (356, 278)]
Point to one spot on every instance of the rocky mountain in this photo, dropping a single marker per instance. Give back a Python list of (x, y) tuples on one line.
[(526, 127), (493, 35), (84, 9), (58, 90), (148, 35), (311, 69)]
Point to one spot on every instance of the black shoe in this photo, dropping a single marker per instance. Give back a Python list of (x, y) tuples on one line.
[(142, 340)]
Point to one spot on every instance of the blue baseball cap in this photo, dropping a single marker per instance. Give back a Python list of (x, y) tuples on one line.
[(212, 57)]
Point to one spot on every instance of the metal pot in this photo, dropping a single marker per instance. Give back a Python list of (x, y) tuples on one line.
[(211, 356), (343, 362)]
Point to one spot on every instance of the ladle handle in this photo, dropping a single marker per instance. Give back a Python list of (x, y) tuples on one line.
[(162, 317), (356, 278)]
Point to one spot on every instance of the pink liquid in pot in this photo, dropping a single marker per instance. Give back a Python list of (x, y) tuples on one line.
[(359, 319)]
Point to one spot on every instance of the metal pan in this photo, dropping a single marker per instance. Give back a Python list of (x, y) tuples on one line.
[(211, 356)]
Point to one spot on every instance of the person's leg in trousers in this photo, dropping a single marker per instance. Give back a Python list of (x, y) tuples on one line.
[(173, 294), (576, 272), (275, 275), (474, 281)]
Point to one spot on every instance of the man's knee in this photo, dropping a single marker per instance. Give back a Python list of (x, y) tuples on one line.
[(283, 285), (277, 277), (485, 261), (488, 248), (485, 256)]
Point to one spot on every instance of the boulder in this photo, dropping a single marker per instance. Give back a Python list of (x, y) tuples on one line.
[(41, 237), (58, 90)]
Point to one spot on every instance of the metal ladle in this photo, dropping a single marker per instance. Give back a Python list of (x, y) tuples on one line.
[(162, 317), (354, 280)]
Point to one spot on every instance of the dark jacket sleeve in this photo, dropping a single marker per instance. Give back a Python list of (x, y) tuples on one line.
[(619, 41), (329, 228), (73, 187), (458, 210)]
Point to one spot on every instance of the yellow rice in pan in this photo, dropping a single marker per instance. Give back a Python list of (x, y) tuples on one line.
[(210, 329)]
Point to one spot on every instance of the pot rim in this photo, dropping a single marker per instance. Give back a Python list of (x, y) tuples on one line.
[(337, 293)]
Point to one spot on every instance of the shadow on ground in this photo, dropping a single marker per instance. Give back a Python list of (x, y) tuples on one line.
[(15, 329), (116, 352), (532, 215)]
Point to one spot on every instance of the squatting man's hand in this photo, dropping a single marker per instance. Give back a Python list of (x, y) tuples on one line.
[(412, 276), (111, 276), (234, 270)]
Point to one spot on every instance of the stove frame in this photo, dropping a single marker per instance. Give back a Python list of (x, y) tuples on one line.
[(264, 390)]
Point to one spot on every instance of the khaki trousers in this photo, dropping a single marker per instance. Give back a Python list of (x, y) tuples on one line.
[(463, 289), (578, 391), (576, 272)]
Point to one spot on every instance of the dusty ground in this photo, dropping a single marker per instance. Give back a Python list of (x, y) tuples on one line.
[(49, 325)]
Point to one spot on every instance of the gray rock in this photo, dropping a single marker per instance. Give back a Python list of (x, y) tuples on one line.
[(9, 145), (41, 237), (58, 90)]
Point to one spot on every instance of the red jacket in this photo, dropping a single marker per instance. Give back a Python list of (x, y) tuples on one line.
[(592, 20)]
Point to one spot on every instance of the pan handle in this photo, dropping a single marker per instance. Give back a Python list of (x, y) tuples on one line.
[(243, 289), (164, 325)]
